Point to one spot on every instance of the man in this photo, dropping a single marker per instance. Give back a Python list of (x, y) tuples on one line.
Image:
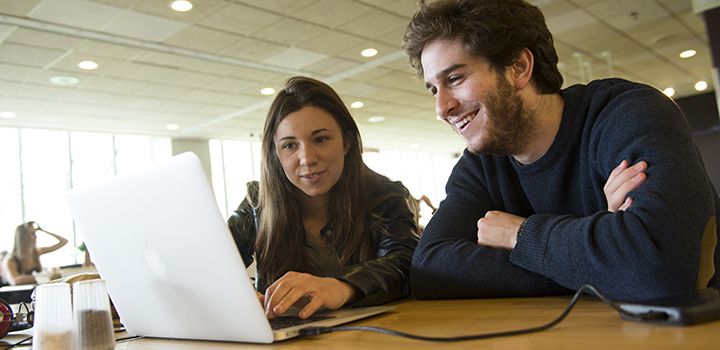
[(538, 204)]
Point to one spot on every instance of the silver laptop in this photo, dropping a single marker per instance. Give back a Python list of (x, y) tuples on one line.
[(169, 261)]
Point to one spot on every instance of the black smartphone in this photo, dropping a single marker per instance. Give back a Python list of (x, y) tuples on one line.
[(697, 307)]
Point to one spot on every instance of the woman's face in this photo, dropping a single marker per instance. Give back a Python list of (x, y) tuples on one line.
[(31, 232), (311, 149)]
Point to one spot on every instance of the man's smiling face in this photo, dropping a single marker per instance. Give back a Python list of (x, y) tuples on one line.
[(477, 101)]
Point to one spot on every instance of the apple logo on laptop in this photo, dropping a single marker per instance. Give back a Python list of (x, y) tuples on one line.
[(153, 260)]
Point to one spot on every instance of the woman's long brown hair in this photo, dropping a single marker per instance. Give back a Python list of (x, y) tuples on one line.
[(23, 249), (281, 236)]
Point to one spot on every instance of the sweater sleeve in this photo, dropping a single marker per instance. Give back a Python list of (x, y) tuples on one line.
[(653, 249), (449, 263)]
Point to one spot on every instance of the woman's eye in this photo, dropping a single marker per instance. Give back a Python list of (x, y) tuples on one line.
[(321, 139), (288, 146)]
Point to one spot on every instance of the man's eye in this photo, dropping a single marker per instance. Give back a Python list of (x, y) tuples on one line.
[(433, 91), (453, 80)]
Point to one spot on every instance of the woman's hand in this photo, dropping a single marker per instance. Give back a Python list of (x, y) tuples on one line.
[(306, 291)]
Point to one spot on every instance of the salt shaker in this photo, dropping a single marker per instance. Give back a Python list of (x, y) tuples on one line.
[(92, 316), (53, 327)]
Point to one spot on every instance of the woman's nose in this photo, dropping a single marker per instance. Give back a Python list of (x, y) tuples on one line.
[(307, 156)]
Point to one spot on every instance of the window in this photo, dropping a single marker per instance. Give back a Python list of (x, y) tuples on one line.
[(38, 166), (233, 164)]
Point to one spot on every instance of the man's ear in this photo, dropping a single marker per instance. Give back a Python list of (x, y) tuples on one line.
[(521, 71)]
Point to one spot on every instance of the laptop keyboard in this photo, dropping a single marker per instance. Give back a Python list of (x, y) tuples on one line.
[(281, 322)]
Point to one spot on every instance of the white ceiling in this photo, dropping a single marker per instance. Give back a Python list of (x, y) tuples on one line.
[(203, 69)]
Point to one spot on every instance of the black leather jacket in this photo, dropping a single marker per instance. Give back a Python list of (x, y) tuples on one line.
[(379, 280)]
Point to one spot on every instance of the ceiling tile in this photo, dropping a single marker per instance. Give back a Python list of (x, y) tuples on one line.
[(42, 91), (93, 97), (373, 23), (331, 43), (624, 14), (294, 58), (144, 27), (332, 13), (43, 78), (203, 39), (230, 85), (141, 71), (18, 8), (31, 37), (186, 63), (105, 64), (7, 88), (288, 31), (253, 49), (138, 102), (26, 55), (117, 85), (241, 19), (330, 66), (569, 21), (200, 95), (259, 76), (16, 73), (200, 9), (189, 79), (118, 52), (77, 13), (239, 100), (161, 91), (287, 7), (179, 106)]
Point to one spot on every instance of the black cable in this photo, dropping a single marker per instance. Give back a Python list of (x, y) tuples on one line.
[(18, 343), (324, 330)]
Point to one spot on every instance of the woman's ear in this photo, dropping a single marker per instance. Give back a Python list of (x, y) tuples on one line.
[(346, 142)]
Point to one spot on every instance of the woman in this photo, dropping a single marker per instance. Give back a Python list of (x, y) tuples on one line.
[(24, 259), (329, 231)]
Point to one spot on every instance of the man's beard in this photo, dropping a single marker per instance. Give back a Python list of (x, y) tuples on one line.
[(510, 126)]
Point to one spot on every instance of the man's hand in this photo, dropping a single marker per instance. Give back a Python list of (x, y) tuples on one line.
[(622, 180), (306, 291), (499, 229)]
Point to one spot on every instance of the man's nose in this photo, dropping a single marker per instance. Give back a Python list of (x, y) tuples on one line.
[(445, 104)]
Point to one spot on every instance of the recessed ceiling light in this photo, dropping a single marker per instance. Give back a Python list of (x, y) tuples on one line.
[(181, 5), (369, 52), (267, 91), (64, 80), (357, 104), (376, 119), (172, 127), (701, 85), (414, 145), (669, 92), (7, 115), (687, 53), (87, 65)]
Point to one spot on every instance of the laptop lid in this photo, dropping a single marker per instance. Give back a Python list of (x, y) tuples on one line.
[(171, 266)]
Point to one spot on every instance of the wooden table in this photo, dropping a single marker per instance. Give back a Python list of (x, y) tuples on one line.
[(591, 325)]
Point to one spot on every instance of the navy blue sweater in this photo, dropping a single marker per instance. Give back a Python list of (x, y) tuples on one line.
[(651, 250)]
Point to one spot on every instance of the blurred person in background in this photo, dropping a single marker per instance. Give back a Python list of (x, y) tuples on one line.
[(24, 259)]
